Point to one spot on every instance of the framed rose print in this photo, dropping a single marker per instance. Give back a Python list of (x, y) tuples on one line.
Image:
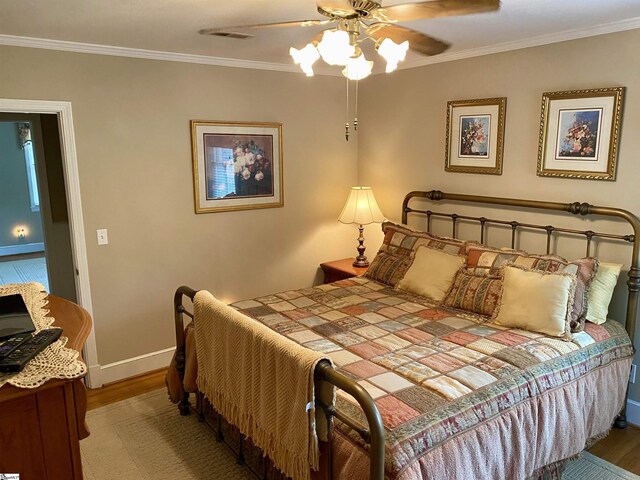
[(475, 135), (236, 165), (579, 132)]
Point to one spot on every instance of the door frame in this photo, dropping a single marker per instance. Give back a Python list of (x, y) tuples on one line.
[(76, 223)]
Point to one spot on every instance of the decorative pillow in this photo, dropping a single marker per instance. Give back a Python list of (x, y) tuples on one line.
[(431, 273), (536, 301), (474, 293), (601, 291), (488, 260), (388, 268), (401, 240), (585, 271)]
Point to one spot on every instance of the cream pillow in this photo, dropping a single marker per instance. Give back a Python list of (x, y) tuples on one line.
[(431, 274), (601, 291), (536, 301)]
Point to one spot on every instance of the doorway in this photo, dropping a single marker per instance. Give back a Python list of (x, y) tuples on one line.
[(35, 241), (62, 112)]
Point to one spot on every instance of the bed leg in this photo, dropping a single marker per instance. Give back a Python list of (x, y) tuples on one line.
[(621, 421), (240, 458), (219, 436), (184, 406), (200, 406)]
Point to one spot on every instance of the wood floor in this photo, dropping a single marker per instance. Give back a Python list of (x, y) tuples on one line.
[(621, 447)]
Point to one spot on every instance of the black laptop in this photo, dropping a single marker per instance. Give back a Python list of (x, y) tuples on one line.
[(14, 316)]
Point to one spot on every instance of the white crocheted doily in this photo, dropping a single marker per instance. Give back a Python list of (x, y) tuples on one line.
[(55, 361)]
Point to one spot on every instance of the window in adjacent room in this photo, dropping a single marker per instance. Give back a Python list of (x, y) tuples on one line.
[(30, 160)]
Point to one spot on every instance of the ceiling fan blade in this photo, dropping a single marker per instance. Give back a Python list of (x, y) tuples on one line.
[(338, 8), (297, 23), (433, 9), (418, 42)]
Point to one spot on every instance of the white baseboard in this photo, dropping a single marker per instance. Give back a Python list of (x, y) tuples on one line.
[(22, 248), (130, 367), (633, 412)]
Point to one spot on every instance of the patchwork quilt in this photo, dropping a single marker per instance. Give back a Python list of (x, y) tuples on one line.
[(433, 372)]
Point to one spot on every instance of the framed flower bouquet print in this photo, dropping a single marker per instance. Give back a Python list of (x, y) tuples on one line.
[(236, 165), (475, 135), (579, 132)]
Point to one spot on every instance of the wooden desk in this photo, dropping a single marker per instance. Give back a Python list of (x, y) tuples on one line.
[(41, 428)]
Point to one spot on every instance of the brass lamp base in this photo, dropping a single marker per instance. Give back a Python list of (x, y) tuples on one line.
[(361, 259)]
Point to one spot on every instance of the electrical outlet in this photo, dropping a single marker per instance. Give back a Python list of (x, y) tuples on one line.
[(103, 239), (632, 375)]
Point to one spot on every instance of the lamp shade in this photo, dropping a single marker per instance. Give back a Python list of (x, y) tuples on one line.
[(357, 68), (335, 47), (361, 207)]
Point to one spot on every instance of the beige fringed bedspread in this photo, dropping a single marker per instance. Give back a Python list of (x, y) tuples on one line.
[(261, 382)]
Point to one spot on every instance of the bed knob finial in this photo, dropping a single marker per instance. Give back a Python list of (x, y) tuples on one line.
[(434, 195), (578, 208)]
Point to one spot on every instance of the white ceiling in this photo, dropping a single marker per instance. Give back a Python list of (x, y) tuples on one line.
[(138, 26)]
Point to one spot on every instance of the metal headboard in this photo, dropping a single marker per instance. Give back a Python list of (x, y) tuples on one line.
[(575, 208)]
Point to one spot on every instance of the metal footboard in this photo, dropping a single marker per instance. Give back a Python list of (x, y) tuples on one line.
[(372, 434)]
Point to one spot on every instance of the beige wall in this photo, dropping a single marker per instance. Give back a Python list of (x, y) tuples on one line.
[(403, 116), (131, 121)]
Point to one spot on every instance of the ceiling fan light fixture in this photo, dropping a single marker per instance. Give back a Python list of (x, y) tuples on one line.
[(305, 57), (335, 47), (357, 68), (392, 52)]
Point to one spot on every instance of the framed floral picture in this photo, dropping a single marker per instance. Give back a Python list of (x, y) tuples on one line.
[(236, 165), (475, 135), (579, 132)]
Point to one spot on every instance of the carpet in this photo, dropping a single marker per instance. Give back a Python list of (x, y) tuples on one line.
[(25, 270), (144, 438), (590, 467)]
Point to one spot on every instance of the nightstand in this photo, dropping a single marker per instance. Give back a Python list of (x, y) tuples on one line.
[(340, 270)]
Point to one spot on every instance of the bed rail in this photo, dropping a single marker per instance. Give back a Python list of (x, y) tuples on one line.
[(372, 434)]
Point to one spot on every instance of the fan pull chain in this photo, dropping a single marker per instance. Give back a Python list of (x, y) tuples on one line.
[(355, 120), (346, 125)]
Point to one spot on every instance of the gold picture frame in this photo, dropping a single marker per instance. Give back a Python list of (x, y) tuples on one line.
[(475, 135), (236, 165), (579, 133)]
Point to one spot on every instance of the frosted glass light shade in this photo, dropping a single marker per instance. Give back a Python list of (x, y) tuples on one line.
[(357, 68), (361, 207), (335, 47), (305, 57), (392, 53)]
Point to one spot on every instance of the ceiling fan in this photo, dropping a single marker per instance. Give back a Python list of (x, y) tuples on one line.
[(354, 22)]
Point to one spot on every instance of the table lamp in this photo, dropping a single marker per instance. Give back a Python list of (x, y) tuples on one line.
[(361, 208)]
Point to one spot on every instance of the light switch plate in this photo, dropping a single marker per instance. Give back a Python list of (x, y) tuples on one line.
[(632, 375), (103, 239)]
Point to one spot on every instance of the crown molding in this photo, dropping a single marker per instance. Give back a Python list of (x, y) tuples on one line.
[(62, 45), (66, 46), (602, 29)]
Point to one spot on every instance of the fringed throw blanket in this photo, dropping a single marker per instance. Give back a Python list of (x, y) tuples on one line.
[(261, 382)]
